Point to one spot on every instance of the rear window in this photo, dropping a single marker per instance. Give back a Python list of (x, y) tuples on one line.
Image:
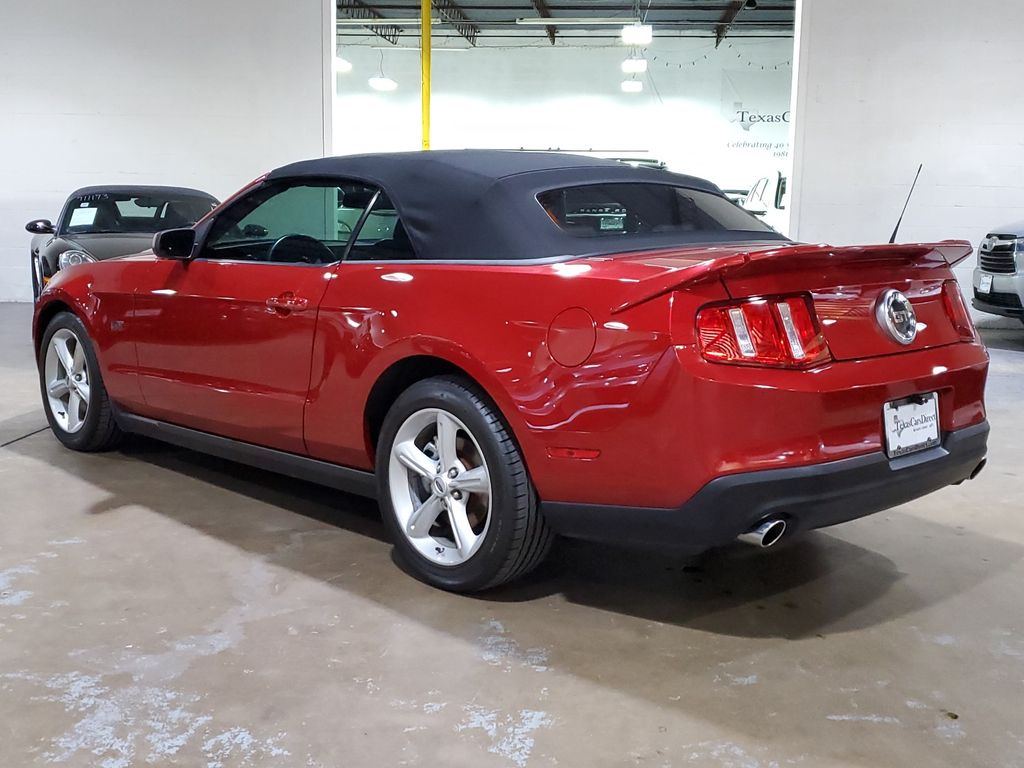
[(617, 210)]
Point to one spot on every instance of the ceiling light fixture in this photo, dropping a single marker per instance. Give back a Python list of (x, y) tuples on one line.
[(417, 49), (343, 66), (634, 65), (565, 21), (380, 81), (637, 34), (632, 86)]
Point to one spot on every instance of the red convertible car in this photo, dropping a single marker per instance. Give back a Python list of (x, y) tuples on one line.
[(505, 346)]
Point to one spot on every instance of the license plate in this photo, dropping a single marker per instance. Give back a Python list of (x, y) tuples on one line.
[(985, 286), (911, 424)]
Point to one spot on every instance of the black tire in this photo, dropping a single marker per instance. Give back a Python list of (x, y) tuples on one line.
[(99, 431), (517, 538)]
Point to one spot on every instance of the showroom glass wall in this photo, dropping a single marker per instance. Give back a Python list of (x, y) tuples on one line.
[(719, 113)]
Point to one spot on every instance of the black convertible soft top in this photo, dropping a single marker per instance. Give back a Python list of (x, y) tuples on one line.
[(482, 204)]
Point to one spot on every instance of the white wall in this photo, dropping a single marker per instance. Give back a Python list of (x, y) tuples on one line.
[(201, 93), (570, 98), (883, 85)]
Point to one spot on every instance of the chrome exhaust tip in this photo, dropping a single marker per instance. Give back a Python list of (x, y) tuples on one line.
[(765, 535)]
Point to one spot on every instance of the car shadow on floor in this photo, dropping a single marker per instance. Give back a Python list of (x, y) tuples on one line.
[(1008, 338), (818, 583), (815, 584), (326, 505)]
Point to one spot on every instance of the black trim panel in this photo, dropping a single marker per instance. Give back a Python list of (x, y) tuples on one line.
[(1004, 309), (807, 497), (345, 479)]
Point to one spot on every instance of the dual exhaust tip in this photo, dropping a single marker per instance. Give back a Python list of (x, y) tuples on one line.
[(765, 535)]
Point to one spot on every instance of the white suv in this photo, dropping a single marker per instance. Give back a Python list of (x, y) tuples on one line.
[(999, 276)]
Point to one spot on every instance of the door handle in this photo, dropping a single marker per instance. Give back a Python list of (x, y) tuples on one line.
[(287, 302)]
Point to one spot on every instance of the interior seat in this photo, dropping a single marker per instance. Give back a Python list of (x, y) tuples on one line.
[(396, 247), (174, 217), (106, 219)]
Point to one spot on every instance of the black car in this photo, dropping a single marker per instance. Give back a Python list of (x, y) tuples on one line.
[(100, 223)]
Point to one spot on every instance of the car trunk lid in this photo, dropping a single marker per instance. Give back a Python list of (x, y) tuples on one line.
[(846, 283)]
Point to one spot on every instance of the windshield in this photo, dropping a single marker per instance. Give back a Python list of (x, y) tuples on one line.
[(620, 210), (130, 212)]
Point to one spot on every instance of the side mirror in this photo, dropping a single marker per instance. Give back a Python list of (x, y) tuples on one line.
[(175, 243), (40, 227)]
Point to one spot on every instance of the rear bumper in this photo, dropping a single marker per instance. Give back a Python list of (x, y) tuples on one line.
[(999, 304), (807, 497)]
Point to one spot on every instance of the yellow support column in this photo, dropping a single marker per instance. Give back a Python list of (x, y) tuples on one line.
[(425, 21)]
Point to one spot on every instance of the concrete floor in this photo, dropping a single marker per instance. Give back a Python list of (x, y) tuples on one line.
[(162, 607)]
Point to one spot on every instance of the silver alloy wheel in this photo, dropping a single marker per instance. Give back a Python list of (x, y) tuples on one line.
[(440, 486), (66, 373)]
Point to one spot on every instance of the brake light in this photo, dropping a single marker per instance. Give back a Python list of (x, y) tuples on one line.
[(781, 332), (956, 310)]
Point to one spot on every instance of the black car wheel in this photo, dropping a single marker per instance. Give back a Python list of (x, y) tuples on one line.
[(454, 490), (74, 398)]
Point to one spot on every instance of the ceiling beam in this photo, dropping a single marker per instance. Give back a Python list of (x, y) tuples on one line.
[(356, 9), (727, 20), (541, 6), (603, 10), (452, 13)]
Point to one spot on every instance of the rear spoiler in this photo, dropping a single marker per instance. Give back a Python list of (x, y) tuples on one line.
[(918, 255)]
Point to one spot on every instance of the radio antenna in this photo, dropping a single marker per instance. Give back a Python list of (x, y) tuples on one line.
[(900, 220)]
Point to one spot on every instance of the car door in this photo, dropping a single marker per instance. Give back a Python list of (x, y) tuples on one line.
[(225, 339)]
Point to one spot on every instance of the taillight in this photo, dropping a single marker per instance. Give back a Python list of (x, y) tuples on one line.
[(780, 331), (956, 310)]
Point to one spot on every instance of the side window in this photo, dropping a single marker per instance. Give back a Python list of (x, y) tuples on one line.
[(306, 222), (382, 237)]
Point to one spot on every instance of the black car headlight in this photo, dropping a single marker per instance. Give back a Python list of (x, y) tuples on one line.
[(73, 257)]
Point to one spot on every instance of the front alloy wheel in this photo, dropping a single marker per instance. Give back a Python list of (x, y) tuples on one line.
[(66, 374), (76, 403)]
